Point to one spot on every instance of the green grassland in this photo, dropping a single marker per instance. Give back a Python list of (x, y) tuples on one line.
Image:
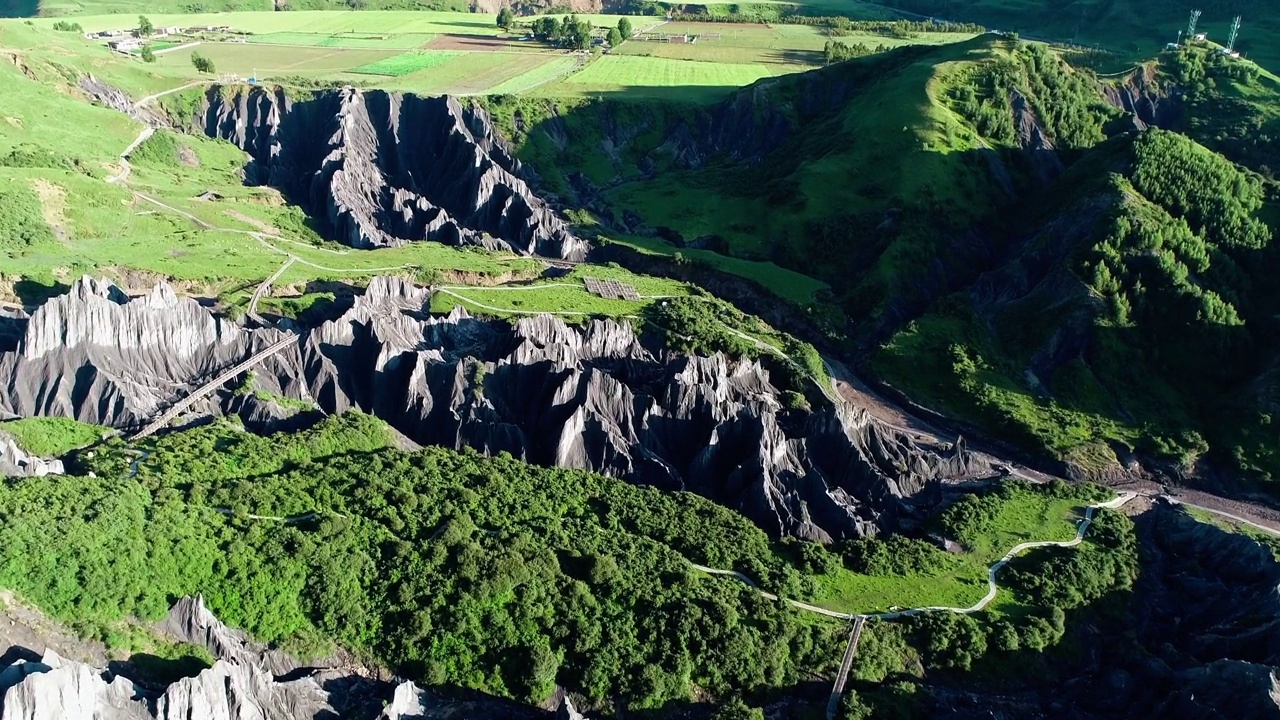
[(407, 63), (51, 437), (1017, 514), (104, 229), (661, 77), (787, 284), (534, 77), (770, 44), (566, 295), (1135, 29)]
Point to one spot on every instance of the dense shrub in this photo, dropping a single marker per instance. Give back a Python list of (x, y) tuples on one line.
[(22, 224)]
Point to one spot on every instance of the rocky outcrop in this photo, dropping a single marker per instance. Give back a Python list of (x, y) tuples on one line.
[(384, 169), (1140, 94), (241, 685), (1036, 145), (16, 462), (189, 621), (99, 356), (601, 398), (597, 397)]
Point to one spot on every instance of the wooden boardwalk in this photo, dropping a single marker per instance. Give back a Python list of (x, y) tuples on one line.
[(207, 389), (837, 690)]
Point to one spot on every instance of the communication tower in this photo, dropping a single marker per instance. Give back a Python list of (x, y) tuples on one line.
[(1191, 24), (1235, 31)]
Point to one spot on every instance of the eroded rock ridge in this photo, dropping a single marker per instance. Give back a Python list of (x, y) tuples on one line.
[(384, 169), (600, 397)]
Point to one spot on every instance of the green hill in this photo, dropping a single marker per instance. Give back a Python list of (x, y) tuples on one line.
[(1082, 296), (1133, 28)]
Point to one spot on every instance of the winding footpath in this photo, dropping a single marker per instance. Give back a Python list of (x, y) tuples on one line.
[(992, 587)]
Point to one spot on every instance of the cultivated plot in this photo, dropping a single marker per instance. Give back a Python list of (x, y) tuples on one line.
[(645, 76), (328, 22), (382, 41)]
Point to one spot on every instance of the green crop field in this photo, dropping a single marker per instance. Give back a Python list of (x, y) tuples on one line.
[(277, 60), (640, 76), (472, 73), (407, 63), (268, 60), (540, 75)]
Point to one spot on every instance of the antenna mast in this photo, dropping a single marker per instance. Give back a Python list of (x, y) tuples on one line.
[(1191, 24), (1235, 31)]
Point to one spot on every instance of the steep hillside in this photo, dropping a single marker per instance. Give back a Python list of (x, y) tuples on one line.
[(1131, 28), (890, 177), (1134, 317)]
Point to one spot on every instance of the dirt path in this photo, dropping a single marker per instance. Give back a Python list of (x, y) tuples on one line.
[(992, 587)]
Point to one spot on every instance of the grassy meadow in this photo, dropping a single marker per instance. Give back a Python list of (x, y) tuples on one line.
[(51, 437), (1020, 514)]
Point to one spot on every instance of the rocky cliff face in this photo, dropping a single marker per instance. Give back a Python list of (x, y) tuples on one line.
[(599, 398), (1140, 95), (385, 169), (100, 357)]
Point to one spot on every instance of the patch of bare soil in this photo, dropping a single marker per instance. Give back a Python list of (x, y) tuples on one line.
[(262, 227), (23, 626), (16, 122), (476, 43), (188, 157), (53, 205)]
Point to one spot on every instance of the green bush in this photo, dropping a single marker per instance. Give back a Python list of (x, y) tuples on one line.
[(39, 156), (22, 224)]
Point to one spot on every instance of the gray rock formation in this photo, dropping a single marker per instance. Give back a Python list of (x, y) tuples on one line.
[(384, 168), (1149, 104), (98, 356), (16, 462), (241, 685), (598, 398), (189, 621)]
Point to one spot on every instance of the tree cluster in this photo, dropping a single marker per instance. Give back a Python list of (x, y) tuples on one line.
[(835, 51), (1065, 100), (452, 568), (569, 31), (203, 64)]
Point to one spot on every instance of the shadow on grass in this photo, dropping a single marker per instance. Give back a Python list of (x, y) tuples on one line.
[(35, 292)]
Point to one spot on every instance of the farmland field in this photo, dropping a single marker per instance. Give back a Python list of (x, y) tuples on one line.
[(540, 75), (396, 41), (468, 73), (328, 22), (407, 63), (265, 60), (658, 76)]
